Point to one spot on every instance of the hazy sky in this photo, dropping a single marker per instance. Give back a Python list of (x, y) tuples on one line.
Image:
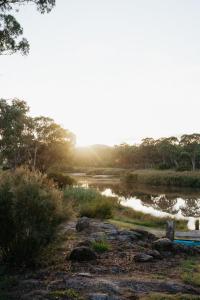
[(111, 70)]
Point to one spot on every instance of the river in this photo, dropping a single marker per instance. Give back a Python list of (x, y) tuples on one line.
[(158, 201)]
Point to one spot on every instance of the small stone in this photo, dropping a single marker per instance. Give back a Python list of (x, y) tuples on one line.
[(163, 244), (82, 224), (142, 257), (82, 254), (154, 253), (87, 275)]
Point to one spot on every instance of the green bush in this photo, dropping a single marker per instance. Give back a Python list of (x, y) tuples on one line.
[(101, 210), (90, 203), (61, 180), (130, 178), (100, 246), (31, 208)]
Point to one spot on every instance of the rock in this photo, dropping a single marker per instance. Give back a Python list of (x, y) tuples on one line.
[(98, 236), (127, 236), (154, 253), (142, 257), (82, 254), (86, 243), (144, 235), (163, 244), (82, 224), (36, 295), (87, 275), (58, 284), (100, 296)]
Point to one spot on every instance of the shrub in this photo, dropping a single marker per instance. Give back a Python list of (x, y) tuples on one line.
[(130, 178), (31, 208), (61, 180), (100, 246), (90, 203), (101, 210)]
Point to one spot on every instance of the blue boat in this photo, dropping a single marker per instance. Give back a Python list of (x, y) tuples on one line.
[(188, 243)]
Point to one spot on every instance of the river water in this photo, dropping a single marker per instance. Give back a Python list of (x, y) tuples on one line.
[(158, 201)]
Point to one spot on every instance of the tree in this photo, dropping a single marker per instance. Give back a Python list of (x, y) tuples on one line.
[(191, 147), (11, 32), (14, 131), (37, 142), (168, 149), (51, 143)]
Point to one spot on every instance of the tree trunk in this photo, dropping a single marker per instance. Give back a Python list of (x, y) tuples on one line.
[(193, 161), (35, 157)]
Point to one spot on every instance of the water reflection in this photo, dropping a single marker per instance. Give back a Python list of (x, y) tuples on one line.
[(157, 201)]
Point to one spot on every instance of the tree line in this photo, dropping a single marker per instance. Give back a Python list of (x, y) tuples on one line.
[(41, 143), (165, 153)]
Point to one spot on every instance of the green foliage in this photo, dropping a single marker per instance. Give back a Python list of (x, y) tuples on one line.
[(38, 142), (164, 178), (11, 32), (128, 216), (102, 209), (31, 208), (101, 246), (61, 180), (65, 294), (130, 178), (191, 272), (90, 203)]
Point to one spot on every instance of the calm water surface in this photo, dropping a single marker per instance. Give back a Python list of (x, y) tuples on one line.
[(157, 201)]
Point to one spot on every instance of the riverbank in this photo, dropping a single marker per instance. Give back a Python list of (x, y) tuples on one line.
[(163, 178)]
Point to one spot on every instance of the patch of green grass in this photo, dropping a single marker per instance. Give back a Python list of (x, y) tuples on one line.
[(100, 246), (65, 294), (130, 216), (159, 296), (191, 272)]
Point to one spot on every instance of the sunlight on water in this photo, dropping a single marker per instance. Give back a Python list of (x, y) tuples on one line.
[(138, 205), (179, 204)]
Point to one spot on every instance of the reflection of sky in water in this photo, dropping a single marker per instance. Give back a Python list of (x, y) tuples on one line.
[(138, 205)]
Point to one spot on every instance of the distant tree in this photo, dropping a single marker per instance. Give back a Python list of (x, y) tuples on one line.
[(51, 143), (148, 153), (191, 147), (11, 32), (169, 151)]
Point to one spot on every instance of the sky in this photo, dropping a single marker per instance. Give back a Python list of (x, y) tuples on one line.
[(111, 71)]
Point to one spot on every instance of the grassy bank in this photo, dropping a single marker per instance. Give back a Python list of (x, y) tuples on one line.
[(163, 178), (90, 203), (98, 171)]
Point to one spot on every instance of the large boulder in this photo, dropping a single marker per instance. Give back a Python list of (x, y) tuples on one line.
[(82, 254), (142, 257), (163, 244), (82, 224)]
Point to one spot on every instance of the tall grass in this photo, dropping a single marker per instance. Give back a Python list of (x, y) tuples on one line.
[(164, 178), (90, 203)]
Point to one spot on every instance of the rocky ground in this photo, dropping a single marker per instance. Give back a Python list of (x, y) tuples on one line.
[(134, 265)]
